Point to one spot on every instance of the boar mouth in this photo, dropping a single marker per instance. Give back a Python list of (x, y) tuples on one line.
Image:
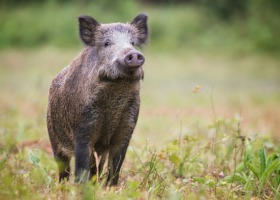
[(120, 71), (126, 69)]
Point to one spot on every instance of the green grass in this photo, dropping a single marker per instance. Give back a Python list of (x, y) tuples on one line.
[(217, 140)]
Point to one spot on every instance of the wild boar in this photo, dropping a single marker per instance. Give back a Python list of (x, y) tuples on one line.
[(94, 102)]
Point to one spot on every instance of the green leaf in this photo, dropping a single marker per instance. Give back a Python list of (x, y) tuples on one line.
[(135, 194), (239, 167), (249, 185), (200, 179), (235, 178), (48, 180), (171, 148), (175, 159), (255, 170), (271, 158), (190, 138), (34, 159), (207, 181), (2, 164), (210, 183), (248, 152), (262, 159), (269, 170), (133, 185)]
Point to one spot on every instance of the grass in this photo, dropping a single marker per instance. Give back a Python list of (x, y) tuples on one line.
[(217, 117), (209, 119)]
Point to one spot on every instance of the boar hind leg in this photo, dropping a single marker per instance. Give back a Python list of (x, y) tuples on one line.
[(115, 163), (63, 163)]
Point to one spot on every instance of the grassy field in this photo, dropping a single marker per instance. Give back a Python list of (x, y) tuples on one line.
[(210, 113), (205, 120)]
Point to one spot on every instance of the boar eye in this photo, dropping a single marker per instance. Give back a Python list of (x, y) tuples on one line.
[(132, 43), (106, 44)]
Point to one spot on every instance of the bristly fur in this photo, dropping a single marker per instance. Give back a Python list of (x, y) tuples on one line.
[(94, 102)]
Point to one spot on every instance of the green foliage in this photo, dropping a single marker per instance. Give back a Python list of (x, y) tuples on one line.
[(204, 24), (258, 178), (225, 165), (56, 23), (227, 9)]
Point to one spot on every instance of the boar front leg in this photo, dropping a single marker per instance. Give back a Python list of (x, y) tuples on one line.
[(120, 141), (115, 163), (82, 161)]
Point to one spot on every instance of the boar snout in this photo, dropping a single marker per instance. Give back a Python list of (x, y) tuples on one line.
[(134, 59)]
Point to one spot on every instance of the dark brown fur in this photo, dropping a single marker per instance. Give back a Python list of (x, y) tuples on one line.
[(94, 102)]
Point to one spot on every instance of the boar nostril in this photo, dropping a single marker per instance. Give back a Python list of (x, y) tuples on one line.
[(140, 57), (130, 57)]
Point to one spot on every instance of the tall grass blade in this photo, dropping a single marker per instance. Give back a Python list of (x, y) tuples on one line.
[(248, 152), (249, 185), (277, 196), (236, 178), (271, 158), (269, 170), (262, 159)]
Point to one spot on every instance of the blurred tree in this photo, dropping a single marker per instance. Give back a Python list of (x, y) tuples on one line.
[(29, 2), (256, 20), (227, 9), (165, 2)]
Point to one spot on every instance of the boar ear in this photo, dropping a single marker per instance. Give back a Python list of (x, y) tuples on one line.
[(87, 26), (140, 22)]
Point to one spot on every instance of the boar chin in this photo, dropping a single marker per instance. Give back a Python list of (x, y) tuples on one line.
[(118, 72)]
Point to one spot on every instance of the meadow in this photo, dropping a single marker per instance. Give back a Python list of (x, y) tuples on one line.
[(209, 119)]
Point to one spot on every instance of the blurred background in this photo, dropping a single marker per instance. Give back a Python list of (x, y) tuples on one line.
[(205, 60), (241, 25)]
